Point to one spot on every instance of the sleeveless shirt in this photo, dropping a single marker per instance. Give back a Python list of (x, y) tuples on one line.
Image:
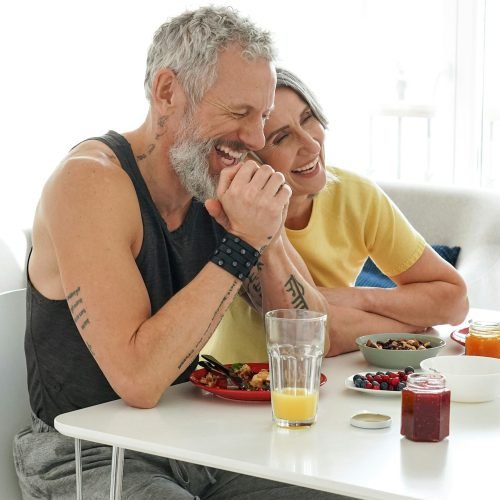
[(62, 374)]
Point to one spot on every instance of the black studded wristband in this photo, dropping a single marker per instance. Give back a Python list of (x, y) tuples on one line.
[(235, 256)]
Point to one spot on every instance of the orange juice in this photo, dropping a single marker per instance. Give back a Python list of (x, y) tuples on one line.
[(294, 404)]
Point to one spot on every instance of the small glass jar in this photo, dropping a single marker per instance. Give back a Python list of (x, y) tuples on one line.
[(425, 407), (483, 339)]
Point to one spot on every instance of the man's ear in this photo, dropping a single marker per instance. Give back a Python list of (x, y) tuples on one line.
[(167, 92)]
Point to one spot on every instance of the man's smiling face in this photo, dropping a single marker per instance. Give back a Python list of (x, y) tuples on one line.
[(226, 124)]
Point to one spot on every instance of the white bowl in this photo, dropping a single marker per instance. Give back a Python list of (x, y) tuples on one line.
[(471, 379)]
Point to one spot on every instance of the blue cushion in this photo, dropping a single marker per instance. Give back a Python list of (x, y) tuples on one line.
[(372, 276)]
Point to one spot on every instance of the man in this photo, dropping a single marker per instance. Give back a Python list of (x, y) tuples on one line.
[(130, 272)]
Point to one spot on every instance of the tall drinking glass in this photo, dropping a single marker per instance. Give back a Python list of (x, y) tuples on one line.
[(295, 345)]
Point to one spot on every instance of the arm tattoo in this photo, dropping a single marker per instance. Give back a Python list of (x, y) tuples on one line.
[(262, 248), (79, 313), (253, 283), (296, 290), (216, 317)]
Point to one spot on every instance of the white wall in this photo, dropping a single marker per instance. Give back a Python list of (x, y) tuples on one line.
[(74, 69)]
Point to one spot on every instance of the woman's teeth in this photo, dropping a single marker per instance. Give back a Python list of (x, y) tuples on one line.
[(306, 168)]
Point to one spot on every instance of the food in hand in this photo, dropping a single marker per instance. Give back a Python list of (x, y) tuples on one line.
[(257, 381), (383, 381), (399, 344)]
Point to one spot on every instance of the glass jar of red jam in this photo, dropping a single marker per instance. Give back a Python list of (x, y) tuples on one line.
[(425, 407), (483, 339)]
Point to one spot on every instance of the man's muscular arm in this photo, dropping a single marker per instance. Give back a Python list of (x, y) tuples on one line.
[(90, 213)]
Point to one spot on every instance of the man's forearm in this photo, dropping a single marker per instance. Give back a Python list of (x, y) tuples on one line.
[(281, 280)]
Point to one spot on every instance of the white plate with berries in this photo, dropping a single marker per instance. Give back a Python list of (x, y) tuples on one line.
[(379, 383)]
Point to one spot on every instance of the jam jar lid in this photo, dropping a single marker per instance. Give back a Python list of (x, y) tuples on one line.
[(484, 327), (370, 420)]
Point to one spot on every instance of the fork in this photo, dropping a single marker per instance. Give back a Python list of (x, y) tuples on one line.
[(228, 372)]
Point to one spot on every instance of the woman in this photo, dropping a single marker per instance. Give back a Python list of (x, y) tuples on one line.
[(336, 219)]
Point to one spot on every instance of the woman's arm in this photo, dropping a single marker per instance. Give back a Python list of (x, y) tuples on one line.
[(430, 293), (349, 323)]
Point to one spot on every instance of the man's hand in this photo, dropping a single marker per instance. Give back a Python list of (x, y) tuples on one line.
[(252, 202)]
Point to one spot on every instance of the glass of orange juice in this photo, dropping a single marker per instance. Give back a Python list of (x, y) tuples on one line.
[(295, 346)]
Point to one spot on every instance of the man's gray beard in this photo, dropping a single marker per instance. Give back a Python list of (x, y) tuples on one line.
[(189, 159)]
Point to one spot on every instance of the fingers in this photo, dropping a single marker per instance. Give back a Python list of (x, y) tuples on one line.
[(226, 177), (254, 176), (253, 202), (285, 192)]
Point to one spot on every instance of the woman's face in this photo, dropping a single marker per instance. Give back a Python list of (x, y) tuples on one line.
[(294, 143)]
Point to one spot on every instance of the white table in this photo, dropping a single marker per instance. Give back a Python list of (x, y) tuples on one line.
[(193, 426)]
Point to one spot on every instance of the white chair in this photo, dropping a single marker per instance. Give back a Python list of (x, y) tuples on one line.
[(458, 216), (14, 248), (14, 407)]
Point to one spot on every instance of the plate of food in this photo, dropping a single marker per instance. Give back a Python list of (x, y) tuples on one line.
[(379, 383), (460, 335), (255, 374)]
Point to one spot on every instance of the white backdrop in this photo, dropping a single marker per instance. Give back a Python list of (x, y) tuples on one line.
[(73, 69)]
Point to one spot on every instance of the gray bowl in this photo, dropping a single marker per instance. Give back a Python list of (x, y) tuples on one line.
[(386, 358)]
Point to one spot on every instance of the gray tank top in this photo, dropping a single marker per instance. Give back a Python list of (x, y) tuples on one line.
[(62, 374)]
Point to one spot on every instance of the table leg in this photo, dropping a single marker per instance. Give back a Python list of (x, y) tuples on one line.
[(78, 467), (115, 490)]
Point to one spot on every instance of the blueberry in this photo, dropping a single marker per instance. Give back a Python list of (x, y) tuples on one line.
[(384, 386), (400, 386), (409, 369)]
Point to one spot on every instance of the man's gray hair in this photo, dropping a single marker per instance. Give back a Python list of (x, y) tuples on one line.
[(190, 43), (287, 79)]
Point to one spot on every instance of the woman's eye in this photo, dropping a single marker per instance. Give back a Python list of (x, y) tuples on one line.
[(278, 139), (306, 117)]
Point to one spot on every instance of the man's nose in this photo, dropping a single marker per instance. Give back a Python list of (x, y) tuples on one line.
[(252, 134)]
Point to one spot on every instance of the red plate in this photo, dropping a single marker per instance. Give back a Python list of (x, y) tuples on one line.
[(460, 335), (238, 394)]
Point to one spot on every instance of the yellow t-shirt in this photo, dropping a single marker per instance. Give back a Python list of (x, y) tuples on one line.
[(351, 219)]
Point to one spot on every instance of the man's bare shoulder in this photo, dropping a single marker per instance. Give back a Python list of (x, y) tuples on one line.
[(90, 186), (87, 196), (91, 154), (87, 170)]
